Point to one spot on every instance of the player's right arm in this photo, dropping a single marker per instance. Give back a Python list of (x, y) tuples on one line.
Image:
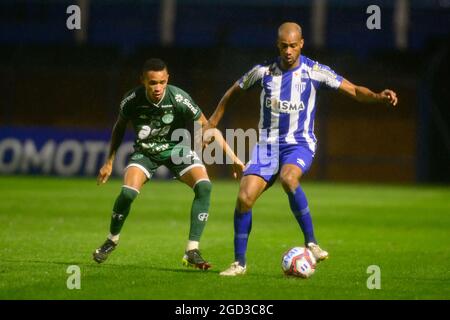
[(117, 135), (247, 81)]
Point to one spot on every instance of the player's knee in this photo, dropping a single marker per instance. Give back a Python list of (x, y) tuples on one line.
[(128, 194), (245, 201), (203, 189), (289, 182)]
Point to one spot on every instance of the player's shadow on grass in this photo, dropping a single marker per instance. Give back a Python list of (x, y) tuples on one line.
[(112, 265), (65, 263), (185, 270)]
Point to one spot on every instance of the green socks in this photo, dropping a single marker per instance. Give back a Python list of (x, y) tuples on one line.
[(121, 209), (200, 207), (199, 210)]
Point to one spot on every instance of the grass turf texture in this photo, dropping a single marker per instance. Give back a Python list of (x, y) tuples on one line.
[(48, 224)]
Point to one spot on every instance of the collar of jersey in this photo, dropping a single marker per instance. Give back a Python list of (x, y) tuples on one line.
[(155, 104), (291, 70)]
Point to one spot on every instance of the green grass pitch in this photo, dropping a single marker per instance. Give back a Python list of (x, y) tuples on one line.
[(48, 224)]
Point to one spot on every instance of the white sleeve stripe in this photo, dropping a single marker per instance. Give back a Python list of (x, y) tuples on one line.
[(251, 77), (326, 76)]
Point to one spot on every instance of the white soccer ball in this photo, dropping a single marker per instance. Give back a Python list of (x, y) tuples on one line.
[(299, 262)]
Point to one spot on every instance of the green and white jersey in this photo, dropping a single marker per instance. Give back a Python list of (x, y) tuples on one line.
[(154, 123)]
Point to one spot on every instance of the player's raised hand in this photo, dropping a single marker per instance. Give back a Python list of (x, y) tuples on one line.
[(238, 169), (104, 173), (389, 97), (209, 133)]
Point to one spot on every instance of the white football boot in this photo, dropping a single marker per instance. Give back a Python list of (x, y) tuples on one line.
[(318, 253), (234, 270)]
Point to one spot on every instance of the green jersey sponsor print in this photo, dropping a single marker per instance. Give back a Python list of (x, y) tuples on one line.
[(154, 123)]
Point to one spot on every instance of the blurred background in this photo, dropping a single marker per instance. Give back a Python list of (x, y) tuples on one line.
[(61, 87)]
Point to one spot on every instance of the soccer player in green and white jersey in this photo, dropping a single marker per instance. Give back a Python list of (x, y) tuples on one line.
[(156, 110)]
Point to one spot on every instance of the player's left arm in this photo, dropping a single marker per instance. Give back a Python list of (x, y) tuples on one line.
[(213, 134), (363, 94)]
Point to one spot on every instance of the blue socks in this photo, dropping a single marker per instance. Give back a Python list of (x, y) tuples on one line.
[(243, 224), (299, 206), (242, 228)]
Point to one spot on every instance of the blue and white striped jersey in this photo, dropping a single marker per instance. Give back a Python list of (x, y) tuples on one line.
[(288, 99)]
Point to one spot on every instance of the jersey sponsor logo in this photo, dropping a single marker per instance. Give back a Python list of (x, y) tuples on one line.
[(144, 132), (155, 147), (156, 128), (178, 98), (167, 105), (203, 216), (186, 102), (137, 156), (126, 99), (284, 106)]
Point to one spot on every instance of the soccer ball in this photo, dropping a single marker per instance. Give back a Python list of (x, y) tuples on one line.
[(299, 262)]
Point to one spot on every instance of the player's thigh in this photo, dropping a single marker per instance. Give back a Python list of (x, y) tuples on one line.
[(290, 175), (188, 167), (295, 161), (250, 189), (194, 175), (134, 177), (290, 171), (139, 170)]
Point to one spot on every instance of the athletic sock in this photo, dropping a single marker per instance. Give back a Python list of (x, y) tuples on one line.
[(114, 238), (242, 228), (199, 210), (121, 209), (299, 206), (191, 245)]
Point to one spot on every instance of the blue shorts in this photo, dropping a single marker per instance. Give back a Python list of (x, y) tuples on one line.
[(268, 159)]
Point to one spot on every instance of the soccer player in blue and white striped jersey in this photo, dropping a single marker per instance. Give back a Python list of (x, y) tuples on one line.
[(287, 142)]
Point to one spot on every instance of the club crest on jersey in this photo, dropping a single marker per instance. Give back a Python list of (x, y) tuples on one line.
[(167, 118), (284, 106), (300, 87)]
